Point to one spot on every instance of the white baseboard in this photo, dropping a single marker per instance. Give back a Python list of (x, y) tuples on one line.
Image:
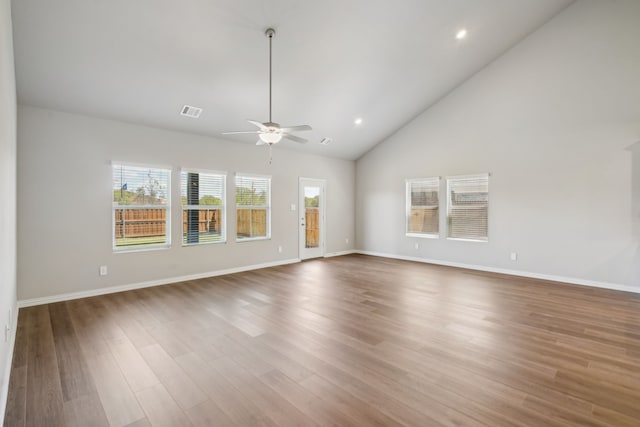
[(4, 393), (528, 274), (332, 254), (167, 281)]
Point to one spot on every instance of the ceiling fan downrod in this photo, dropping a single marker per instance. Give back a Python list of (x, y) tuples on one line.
[(270, 33)]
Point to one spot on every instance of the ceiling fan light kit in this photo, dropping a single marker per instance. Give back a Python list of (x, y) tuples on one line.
[(271, 137), (270, 132)]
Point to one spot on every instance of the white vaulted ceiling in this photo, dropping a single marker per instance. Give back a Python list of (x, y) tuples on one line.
[(334, 60)]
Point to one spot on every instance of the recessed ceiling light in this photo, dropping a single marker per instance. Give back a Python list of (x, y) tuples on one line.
[(358, 121), (461, 34)]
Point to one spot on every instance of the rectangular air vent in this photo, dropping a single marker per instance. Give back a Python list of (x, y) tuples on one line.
[(189, 111), (325, 141)]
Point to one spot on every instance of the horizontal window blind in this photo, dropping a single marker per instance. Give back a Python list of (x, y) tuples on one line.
[(203, 207), (141, 206), (467, 207), (253, 207), (423, 206)]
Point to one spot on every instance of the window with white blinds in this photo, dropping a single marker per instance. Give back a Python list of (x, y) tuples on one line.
[(467, 207), (253, 207), (141, 207), (423, 207), (203, 207)]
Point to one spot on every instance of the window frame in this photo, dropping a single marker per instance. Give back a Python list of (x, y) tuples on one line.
[(167, 207), (449, 206), (267, 207), (223, 208), (409, 206)]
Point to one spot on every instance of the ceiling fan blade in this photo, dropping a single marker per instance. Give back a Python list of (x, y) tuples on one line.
[(242, 131), (260, 125), (260, 142), (294, 138), (295, 128)]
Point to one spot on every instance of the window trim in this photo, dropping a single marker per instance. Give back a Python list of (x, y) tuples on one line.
[(486, 175), (408, 207), (203, 207), (268, 207), (167, 208)]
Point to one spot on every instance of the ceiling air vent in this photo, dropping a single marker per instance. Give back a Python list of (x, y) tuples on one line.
[(325, 141), (189, 111)]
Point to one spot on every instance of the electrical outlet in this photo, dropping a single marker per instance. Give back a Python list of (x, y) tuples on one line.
[(6, 333), (293, 207), (514, 256), (279, 249), (417, 246), (103, 270), (346, 240)]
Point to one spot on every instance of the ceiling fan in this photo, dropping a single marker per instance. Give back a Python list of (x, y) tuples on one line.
[(271, 132)]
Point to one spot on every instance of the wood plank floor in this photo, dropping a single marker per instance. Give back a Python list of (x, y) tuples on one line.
[(346, 341)]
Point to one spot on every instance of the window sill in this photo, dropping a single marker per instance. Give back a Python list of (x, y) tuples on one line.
[(146, 249), (252, 239), (459, 239), (188, 245), (423, 236)]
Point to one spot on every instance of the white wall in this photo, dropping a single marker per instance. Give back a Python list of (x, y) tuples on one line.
[(635, 199), (7, 196), (552, 121), (64, 203)]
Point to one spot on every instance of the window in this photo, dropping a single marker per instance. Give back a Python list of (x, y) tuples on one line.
[(141, 207), (203, 207), (423, 207), (253, 202), (467, 207)]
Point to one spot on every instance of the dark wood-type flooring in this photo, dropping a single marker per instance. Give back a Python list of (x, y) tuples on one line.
[(346, 341)]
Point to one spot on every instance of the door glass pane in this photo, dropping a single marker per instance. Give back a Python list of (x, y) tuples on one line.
[(312, 220)]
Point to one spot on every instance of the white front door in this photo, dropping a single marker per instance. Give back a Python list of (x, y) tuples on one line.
[(311, 218)]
